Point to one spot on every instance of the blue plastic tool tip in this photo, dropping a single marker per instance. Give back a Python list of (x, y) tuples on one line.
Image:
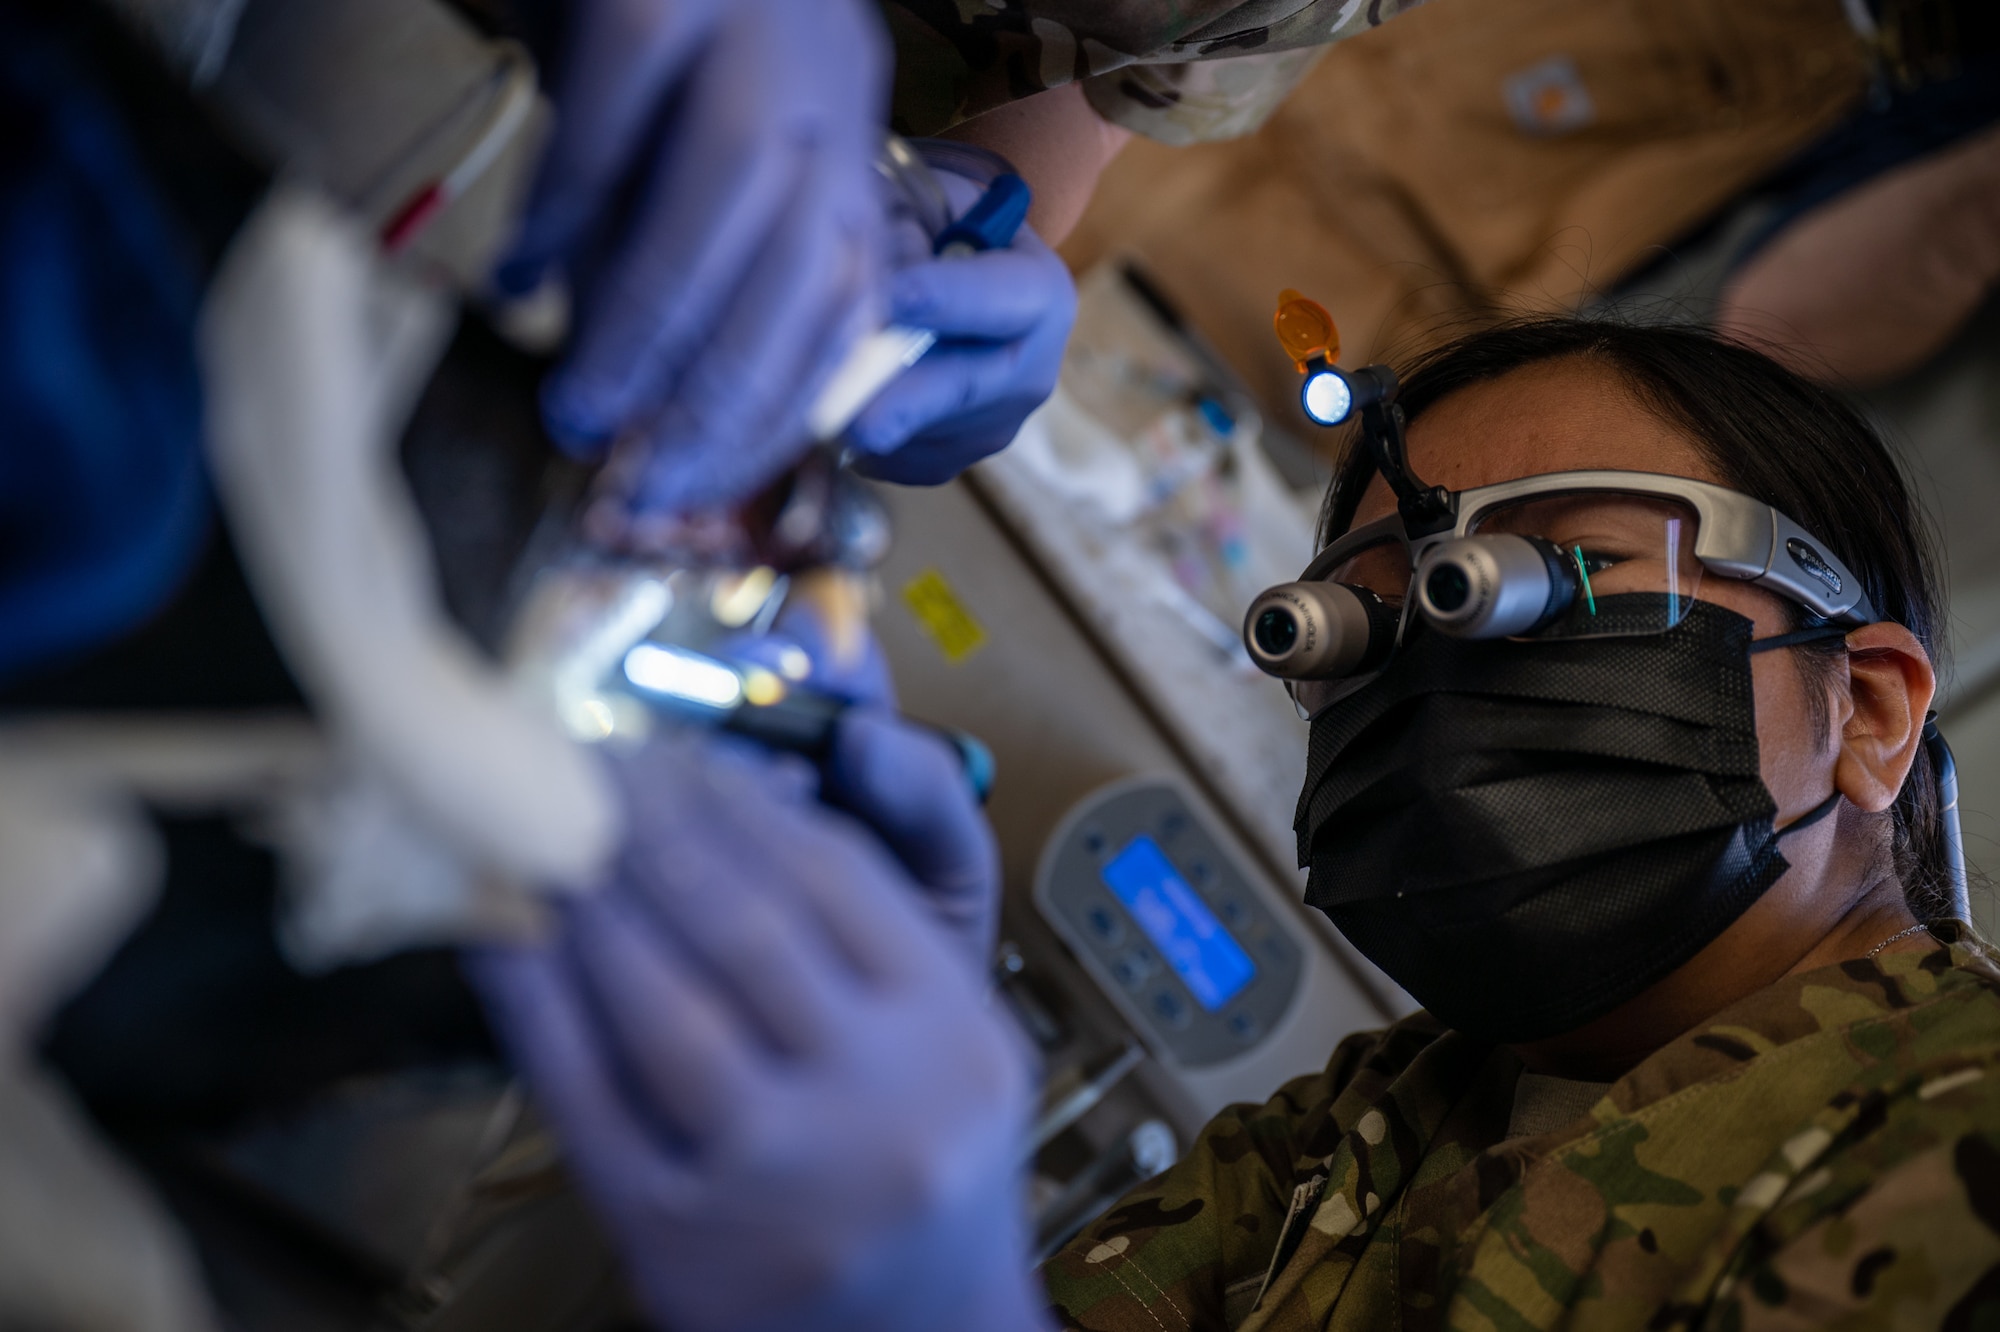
[(991, 223)]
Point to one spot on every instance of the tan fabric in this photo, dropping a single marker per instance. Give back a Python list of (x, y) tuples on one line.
[(1474, 157)]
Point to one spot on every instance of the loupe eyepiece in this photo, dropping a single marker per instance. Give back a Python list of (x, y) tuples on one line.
[(1318, 631), (1493, 586)]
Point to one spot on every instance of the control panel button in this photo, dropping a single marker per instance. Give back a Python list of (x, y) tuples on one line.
[(1105, 924), (1244, 1026), (1234, 911), (1171, 1009), (1135, 968), (1173, 825)]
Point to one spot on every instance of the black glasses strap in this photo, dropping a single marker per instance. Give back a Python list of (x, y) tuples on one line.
[(1817, 634)]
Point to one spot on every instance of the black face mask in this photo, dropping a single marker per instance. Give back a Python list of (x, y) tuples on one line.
[(1526, 835)]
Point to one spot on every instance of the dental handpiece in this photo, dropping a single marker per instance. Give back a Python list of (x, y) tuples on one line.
[(762, 705)]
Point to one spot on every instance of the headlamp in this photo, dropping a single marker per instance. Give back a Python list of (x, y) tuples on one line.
[(1326, 396)]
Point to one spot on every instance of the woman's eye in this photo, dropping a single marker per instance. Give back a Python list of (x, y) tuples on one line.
[(1595, 561)]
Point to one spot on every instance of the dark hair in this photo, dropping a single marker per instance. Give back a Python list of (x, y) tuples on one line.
[(1795, 445)]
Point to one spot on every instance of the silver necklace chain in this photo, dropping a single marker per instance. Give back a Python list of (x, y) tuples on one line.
[(1899, 934)]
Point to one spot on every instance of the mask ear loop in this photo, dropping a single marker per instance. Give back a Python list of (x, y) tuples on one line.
[(1959, 905), (1817, 633), (1811, 816)]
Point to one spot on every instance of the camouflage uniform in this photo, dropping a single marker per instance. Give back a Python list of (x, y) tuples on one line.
[(1825, 1152), (1180, 73)]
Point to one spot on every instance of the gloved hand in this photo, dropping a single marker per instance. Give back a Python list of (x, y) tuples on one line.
[(903, 780), (1003, 318), (791, 1105), (710, 192)]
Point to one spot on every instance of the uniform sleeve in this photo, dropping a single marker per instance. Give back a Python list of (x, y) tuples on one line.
[(1179, 73), (1189, 1248), (1199, 101), (1903, 1228)]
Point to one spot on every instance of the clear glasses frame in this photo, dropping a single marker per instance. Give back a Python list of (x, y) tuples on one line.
[(1735, 537)]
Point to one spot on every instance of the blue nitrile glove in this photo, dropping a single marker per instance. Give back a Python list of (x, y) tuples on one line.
[(1003, 318), (710, 192), (904, 780), (788, 1100)]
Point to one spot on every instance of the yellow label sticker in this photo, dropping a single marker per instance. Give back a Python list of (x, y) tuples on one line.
[(943, 616)]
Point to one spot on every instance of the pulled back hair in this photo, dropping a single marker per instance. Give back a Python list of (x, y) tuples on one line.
[(1770, 433)]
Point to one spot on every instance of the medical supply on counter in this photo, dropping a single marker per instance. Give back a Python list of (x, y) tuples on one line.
[(1155, 450)]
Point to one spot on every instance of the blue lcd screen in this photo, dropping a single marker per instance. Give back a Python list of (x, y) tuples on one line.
[(1201, 952)]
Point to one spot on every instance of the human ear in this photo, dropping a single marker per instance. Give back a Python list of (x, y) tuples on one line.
[(1890, 684)]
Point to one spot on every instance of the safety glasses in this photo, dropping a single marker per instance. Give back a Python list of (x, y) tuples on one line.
[(1543, 557)]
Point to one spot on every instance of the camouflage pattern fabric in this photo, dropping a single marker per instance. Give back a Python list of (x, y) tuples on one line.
[(1191, 71), (1824, 1153)]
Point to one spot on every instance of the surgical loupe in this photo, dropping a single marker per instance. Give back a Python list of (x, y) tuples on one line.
[(1526, 558), (1318, 630), (1498, 586), (1502, 586)]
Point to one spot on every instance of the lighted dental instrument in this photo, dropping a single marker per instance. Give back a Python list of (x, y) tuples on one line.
[(877, 359), (763, 705), (812, 534)]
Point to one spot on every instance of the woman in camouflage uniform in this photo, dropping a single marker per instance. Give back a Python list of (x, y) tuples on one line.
[(1798, 1127)]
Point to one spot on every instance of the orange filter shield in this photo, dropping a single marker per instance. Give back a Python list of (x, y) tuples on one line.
[(1305, 329)]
